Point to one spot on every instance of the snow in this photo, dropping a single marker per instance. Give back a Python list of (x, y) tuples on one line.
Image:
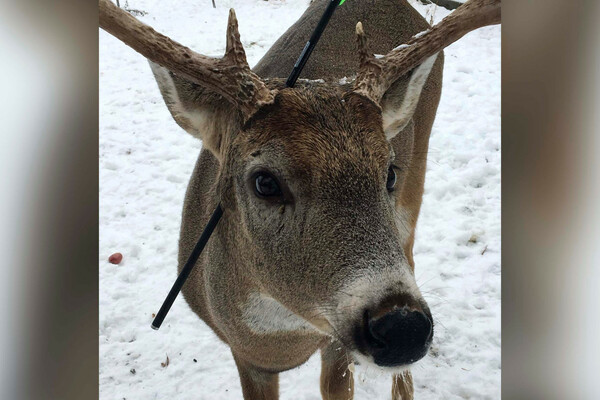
[(421, 34), (402, 46), (145, 163)]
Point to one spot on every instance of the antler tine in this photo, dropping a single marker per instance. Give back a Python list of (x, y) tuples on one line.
[(234, 48), (363, 49), (229, 76), (369, 67), (472, 15)]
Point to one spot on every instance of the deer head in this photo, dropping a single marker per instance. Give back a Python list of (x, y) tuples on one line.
[(308, 177)]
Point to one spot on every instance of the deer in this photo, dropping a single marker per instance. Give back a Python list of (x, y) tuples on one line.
[(320, 184)]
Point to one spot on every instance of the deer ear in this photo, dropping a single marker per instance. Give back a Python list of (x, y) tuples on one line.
[(200, 112), (400, 101)]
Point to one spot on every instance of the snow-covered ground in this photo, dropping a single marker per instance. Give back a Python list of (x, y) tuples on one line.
[(145, 163)]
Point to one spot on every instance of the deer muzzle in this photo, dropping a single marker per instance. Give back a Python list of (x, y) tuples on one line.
[(395, 336), (385, 318)]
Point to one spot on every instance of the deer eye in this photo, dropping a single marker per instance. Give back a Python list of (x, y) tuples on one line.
[(266, 185), (391, 179)]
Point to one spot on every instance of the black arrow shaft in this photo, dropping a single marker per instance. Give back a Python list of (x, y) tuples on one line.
[(312, 42), (187, 268)]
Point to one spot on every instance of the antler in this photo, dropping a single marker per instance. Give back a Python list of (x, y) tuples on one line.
[(229, 76), (376, 75)]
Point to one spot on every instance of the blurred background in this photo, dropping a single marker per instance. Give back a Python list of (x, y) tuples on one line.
[(49, 199), (550, 198)]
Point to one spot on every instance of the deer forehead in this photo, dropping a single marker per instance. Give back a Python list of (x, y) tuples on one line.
[(320, 132)]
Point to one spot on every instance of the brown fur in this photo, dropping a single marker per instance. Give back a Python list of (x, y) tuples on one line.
[(328, 145)]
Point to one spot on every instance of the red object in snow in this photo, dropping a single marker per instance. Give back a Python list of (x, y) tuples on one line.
[(115, 258)]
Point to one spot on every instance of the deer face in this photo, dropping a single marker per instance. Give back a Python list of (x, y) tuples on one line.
[(314, 182)]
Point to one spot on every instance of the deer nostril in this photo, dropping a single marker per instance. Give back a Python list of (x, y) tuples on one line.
[(370, 335)]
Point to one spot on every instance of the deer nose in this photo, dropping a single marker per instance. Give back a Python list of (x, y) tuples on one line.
[(399, 337)]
